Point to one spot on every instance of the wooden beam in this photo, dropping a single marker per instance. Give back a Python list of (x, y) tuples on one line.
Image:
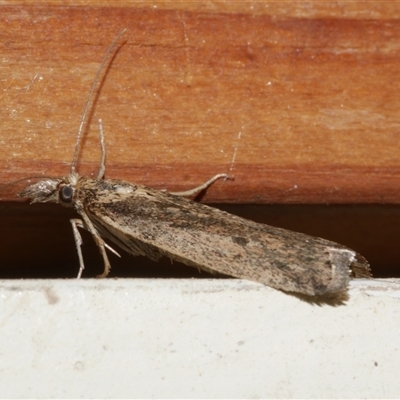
[(300, 104)]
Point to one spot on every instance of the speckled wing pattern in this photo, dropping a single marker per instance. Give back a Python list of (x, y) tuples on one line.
[(154, 223)]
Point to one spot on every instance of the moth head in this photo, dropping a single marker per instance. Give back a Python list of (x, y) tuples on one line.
[(51, 190)]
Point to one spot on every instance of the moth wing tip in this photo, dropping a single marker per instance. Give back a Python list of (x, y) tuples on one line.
[(345, 264)]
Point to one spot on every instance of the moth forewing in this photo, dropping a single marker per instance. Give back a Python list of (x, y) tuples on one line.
[(154, 223)]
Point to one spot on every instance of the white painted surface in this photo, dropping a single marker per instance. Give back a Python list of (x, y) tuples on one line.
[(195, 338)]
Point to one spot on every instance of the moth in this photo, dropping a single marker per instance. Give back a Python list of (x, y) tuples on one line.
[(154, 223)]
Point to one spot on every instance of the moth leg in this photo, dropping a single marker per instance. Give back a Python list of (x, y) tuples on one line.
[(101, 244), (79, 224), (205, 185), (78, 243)]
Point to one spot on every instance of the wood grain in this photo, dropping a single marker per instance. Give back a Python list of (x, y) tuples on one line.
[(299, 103)]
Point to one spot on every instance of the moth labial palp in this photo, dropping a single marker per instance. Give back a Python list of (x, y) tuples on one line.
[(155, 223)]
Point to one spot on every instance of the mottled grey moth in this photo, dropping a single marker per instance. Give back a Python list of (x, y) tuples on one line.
[(154, 223)]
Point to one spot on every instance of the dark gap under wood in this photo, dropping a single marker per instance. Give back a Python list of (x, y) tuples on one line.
[(36, 240)]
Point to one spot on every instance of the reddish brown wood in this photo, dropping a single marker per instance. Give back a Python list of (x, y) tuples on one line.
[(301, 104)]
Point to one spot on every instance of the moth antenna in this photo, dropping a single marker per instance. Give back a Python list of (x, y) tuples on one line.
[(89, 100), (102, 167)]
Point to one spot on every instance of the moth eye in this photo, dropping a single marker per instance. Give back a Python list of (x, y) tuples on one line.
[(66, 194)]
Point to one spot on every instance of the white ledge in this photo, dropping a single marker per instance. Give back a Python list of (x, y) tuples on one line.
[(119, 338)]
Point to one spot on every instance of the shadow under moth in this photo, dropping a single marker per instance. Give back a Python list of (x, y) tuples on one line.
[(154, 223)]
